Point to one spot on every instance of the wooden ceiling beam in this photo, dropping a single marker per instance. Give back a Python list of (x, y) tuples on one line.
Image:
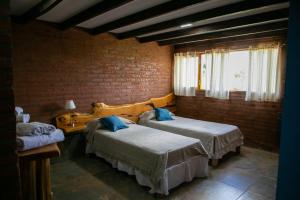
[(228, 33), (235, 39), (38, 10), (258, 18), (93, 11), (149, 13), (208, 14)]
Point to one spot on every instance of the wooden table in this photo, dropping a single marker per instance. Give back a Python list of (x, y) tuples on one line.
[(74, 143), (35, 172)]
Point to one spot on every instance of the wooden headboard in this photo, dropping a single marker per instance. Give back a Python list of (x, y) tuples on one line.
[(129, 111), (133, 111)]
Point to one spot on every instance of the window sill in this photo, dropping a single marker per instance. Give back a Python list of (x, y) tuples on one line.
[(234, 96), (230, 92)]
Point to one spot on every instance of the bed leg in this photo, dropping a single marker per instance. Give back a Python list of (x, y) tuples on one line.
[(238, 150), (214, 162)]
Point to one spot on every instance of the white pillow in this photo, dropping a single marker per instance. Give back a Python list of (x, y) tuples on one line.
[(148, 115), (126, 121), (90, 129), (93, 125), (172, 114)]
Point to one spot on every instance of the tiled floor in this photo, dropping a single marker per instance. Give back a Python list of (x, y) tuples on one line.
[(248, 176)]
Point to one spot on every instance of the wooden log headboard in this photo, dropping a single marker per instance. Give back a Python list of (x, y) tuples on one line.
[(129, 111), (133, 111)]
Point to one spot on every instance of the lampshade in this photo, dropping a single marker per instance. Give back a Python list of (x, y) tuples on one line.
[(70, 105)]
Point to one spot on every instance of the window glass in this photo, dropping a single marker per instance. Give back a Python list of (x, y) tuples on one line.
[(237, 71)]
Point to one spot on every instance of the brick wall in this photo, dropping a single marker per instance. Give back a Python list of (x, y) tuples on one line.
[(259, 121), (51, 66), (8, 161)]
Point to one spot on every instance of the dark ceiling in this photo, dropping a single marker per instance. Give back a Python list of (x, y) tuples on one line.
[(169, 22)]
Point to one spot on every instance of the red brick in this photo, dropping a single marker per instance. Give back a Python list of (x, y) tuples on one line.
[(259, 121), (50, 66)]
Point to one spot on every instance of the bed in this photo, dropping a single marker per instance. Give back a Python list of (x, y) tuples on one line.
[(158, 159), (218, 139)]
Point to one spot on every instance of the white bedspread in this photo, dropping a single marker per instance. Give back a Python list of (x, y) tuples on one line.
[(145, 149), (218, 139)]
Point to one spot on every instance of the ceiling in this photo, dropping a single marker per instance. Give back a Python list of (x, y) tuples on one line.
[(169, 22)]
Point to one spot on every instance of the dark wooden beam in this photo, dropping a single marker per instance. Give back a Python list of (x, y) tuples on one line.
[(98, 9), (227, 33), (145, 14), (237, 44), (38, 10), (234, 39), (216, 12), (258, 18)]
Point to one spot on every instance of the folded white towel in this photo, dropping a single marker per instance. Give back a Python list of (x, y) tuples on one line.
[(31, 142), (34, 128)]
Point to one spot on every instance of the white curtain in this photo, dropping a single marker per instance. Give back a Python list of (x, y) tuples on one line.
[(264, 74), (186, 73), (216, 62)]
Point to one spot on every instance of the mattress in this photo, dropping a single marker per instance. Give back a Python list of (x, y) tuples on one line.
[(217, 139), (149, 151)]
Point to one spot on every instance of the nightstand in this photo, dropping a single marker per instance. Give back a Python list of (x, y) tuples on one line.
[(74, 144)]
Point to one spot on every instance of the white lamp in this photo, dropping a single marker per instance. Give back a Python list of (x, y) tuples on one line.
[(70, 105)]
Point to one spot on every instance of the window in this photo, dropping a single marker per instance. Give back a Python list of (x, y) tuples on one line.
[(185, 74), (257, 71), (237, 71)]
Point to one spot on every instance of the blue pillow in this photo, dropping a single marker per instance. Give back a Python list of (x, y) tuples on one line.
[(162, 114), (113, 123)]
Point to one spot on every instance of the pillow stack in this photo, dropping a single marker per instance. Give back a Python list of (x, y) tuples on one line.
[(162, 114)]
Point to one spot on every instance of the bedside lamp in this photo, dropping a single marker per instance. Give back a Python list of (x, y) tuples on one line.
[(70, 105)]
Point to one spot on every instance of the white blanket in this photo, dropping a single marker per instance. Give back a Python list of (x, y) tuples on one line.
[(144, 148), (218, 139), (31, 142)]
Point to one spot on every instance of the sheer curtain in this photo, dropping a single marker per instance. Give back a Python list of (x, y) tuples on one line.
[(186, 73), (264, 74), (216, 62)]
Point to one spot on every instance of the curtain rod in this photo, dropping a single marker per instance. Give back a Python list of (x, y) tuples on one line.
[(234, 49)]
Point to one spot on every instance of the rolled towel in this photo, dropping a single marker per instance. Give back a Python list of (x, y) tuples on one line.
[(30, 142), (18, 110), (34, 128)]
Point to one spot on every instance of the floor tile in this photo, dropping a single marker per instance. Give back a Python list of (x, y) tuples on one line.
[(212, 190), (249, 176), (264, 186), (253, 196), (238, 179)]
